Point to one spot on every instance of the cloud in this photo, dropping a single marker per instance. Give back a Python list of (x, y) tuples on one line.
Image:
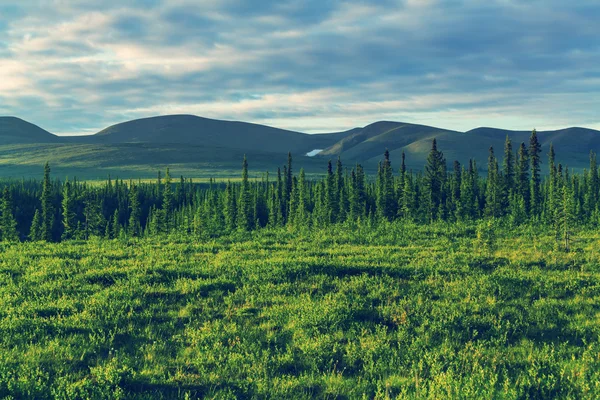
[(78, 66)]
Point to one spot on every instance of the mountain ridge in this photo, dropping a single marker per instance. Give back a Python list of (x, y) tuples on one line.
[(196, 143)]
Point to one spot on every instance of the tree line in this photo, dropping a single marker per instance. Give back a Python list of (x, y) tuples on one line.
[(513, 189)]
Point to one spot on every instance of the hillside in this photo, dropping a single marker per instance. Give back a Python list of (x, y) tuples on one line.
[(210, 133), (15, 130), (367, 144), (202, 147)]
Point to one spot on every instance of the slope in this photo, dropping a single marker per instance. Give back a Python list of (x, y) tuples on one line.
[(15, 130), (210, 133)]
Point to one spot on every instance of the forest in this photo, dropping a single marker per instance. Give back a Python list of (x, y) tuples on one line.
[(513, 189)]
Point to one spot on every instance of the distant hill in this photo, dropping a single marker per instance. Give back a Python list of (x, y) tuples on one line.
[(202, 147), (15, 130), (365, 145), (210, 133)]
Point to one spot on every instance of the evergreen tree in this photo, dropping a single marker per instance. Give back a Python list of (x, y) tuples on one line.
[(47, 207), (230, 207), (338, 190), (435, 175), (535, 150), (167, 203), (388, 196), (467, 194), (591, 189), (95, 222), (330, 197), (35, 233), (245, 214), (8, 224), (565, 217), (135, 213), (115, 225), (301, 215), (508, 175), (69, 212), (492, 193), (522, 176)]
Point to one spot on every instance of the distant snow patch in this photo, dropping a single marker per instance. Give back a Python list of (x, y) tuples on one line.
[(314, 152)]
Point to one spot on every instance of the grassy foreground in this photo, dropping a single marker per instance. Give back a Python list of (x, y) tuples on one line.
[(353, 312)]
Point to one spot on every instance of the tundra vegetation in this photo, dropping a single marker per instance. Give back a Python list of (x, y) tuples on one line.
[(433, 284)]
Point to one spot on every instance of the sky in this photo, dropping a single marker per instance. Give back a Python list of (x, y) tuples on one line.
[(78, 66)]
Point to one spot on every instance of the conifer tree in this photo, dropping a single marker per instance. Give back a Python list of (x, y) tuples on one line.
[(508, 175), (400, 188), (435, 175), (389, 202), (301, 215), (522, 175), (68, 211), (8, 224), (180, 195), (35, 233), (408, 199), (167, 203), (135, 213), (115, 225), (535, 150), (330, 197), (552, 194), (95, 222), (591, 189), (492, 193), (337, 192), (47, 207), (230, 211), (565, 217), (467, 194), (508, 165), (245, 214)]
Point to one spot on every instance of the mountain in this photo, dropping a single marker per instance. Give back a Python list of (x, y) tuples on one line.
[(15, 130), (201, 147), (211, 133), (367, 145)]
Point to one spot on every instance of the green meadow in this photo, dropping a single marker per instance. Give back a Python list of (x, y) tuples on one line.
[(354, 310)]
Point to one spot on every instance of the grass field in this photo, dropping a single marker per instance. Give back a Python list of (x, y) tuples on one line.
[(133, 161), (351, 312)]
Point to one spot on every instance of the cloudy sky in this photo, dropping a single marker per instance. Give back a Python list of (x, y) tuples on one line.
[(77, 66)]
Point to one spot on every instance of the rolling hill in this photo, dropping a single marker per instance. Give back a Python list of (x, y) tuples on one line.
[(572, 144), (201, 147), (211, 133), (16, 130)]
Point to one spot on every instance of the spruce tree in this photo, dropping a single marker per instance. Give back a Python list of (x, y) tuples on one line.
[(301, 215), (389, 202), (330, 197), (337, 192), (508, 175), (230, 210), (591, 189), (167, 203), (435, 175), (245, 214), (522, 176), (35, 232), (492, 193), (135, 212), (115, 225), (8, 224), (47, 207), (535, 150), (69, 215)]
